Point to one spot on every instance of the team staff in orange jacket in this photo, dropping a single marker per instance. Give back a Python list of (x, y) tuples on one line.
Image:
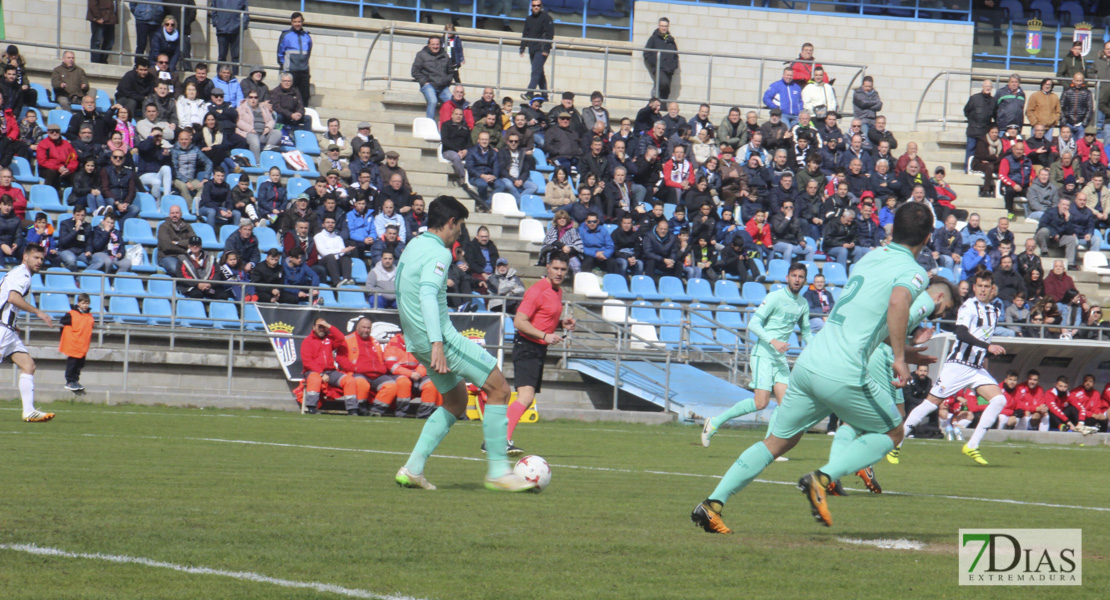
[(77, 328), (406, 367), (370, 368), (322, 351)]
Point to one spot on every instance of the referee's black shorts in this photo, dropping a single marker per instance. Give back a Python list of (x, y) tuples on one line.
[(528, 358)]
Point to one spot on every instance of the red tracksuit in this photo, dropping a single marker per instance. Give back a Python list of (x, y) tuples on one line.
[(1030, 400)]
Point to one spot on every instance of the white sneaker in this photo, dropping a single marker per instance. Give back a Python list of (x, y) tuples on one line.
[(782, 459), (406, 478), (509, 482), (707, 431), (36, 416)]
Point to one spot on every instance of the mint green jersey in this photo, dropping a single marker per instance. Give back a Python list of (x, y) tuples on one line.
[(857, 323), (881, 365), (422, 292), (775, 319)]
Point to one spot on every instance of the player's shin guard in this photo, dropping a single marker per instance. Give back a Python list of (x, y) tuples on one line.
[(739, 409), (27, 392), (918, 414), (746, 468), (989, 416), (864, 451), (435, 429), (495, 422)]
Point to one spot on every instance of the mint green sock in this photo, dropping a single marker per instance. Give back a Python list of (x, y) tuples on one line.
[(844, 437), (863, 452), (495, 422), (741, 408), (750, 464), (435, 429)]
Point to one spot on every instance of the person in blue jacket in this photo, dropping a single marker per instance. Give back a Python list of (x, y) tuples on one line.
[(976, 258), (597, 244), (786, 95), (293, 53)]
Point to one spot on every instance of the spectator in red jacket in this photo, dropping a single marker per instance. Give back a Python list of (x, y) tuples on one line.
[(679, 175), (1099, 409), (803, 71), (1032, 403), (370, 367), (19, 201), (760, 230), (324, 362), (10, 144), (1009, 390), (458, 100), (1065, 410), (57, 159)]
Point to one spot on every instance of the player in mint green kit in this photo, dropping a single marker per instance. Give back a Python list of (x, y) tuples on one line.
[(938, 298), (831, 375), (772, 323), (450, 358)]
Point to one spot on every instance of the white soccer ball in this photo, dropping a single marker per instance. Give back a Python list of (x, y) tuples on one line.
[(534, 469)]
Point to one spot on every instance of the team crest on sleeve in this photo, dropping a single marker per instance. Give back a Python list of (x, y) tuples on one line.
[(440, 270), (921, 311), (918, 281)]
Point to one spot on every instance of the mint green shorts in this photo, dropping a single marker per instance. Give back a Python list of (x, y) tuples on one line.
[(466, 361), (867, 406), (767, 372)]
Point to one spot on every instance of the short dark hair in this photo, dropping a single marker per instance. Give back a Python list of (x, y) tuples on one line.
[(389, 252), (142, 62), (33, 248), (296, 15), (1060, 379), (1033, 372), (41, 216), (201, 66), (273, 252), (443, 209), (296, 252), (562, 257), (912, 224), (1011, 373), (984, 275), (798, 266)]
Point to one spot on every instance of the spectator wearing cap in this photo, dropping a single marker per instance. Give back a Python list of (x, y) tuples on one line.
[(431, 68), (57, 160), (364, 137), (561, 144), (233, 90), (514, 169), (331, 161), (227, 116), (245, 243), (197, 272), (391, 168), (538, 27), (566, 106), (255, 82)]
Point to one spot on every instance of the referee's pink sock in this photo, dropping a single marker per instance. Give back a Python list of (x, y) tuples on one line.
[(516, 411)]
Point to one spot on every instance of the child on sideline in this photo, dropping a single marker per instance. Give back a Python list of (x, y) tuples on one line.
[(77, 327)]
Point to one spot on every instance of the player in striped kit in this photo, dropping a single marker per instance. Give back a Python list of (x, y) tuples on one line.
[(964, 367), (14, 290)]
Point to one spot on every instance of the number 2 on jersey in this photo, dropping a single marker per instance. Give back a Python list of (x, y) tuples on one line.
[(850, 291)]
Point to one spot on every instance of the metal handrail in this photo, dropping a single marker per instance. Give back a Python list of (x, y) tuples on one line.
[(998, 79), (598, 48)]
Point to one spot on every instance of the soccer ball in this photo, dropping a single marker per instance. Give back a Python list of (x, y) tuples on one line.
[(534, 469)]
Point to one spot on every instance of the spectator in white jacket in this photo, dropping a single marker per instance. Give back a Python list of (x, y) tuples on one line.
[(818, 97), (390, 216), (334, 253), (191, 109)]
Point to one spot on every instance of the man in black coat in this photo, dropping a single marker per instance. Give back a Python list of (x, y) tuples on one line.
[(661, 65), (979, 110), (537, 26), (136, 85)]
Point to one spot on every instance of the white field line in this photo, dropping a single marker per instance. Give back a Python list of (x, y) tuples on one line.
[(327, 588), (899, 544), (586, 468)]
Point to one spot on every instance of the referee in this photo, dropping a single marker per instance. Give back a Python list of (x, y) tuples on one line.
[(537, 318)]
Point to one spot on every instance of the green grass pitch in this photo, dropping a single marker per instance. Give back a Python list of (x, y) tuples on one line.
[(311, 500)]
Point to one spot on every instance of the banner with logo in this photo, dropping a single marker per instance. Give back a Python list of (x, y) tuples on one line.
[(1021, 557), (288, 326), (1033, 36), (1083, 36)]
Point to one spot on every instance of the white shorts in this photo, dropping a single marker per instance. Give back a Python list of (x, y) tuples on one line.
[(955, 377), (10, 343)]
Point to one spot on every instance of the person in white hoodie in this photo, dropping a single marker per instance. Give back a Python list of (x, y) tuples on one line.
[(334, 254), (818, 97), (190, 109), (380, 286)]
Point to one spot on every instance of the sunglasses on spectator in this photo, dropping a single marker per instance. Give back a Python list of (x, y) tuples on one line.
[(591, 221), (513, 141), (115, 156)]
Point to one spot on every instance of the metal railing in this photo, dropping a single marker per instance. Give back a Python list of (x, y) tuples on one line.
[(601, 54), (1031, 82), (1061, 39)]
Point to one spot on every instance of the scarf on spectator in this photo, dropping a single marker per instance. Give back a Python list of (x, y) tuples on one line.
[(170, 37), (128, 133), (213, 137), (122, 146), (995, 147), (680, 171), (823, 298), (1068, 146)]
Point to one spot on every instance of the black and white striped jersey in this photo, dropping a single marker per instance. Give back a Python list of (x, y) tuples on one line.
[(17, 280), (980, 319)]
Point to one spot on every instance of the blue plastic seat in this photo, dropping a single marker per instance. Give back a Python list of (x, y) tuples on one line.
[(128, 286), (1016, 12), (59, 117), (94, 282), (103, 102), (207, 236), (699, 290), (672, 289), (728, 291), (777, 270), (671, 336), (226, 231), (777, 286), (644, 312), (160, 286), (753, 292), (701, 327), (644, 287), (670, 313), (616, 286), (137, 231), (252, 318), (668, 210), (327, 297), (296, 186), (1046, 11), (224, 315), (351, 298), (59, 280), (271, 159), (43, 100), (252, 168), (55, 305), (358, 269), (148, 207), (22, 171), (533, 206), (306, 142), (947, 273), (174, 200), (149, 265), (44, 197), (835, 274), (836, 294), (267, 240), (125, 309), (191, 313), (541, 184), (157, 311), (541, 161)]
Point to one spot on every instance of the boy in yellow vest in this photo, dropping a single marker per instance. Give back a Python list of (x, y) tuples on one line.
[(77, 327)]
